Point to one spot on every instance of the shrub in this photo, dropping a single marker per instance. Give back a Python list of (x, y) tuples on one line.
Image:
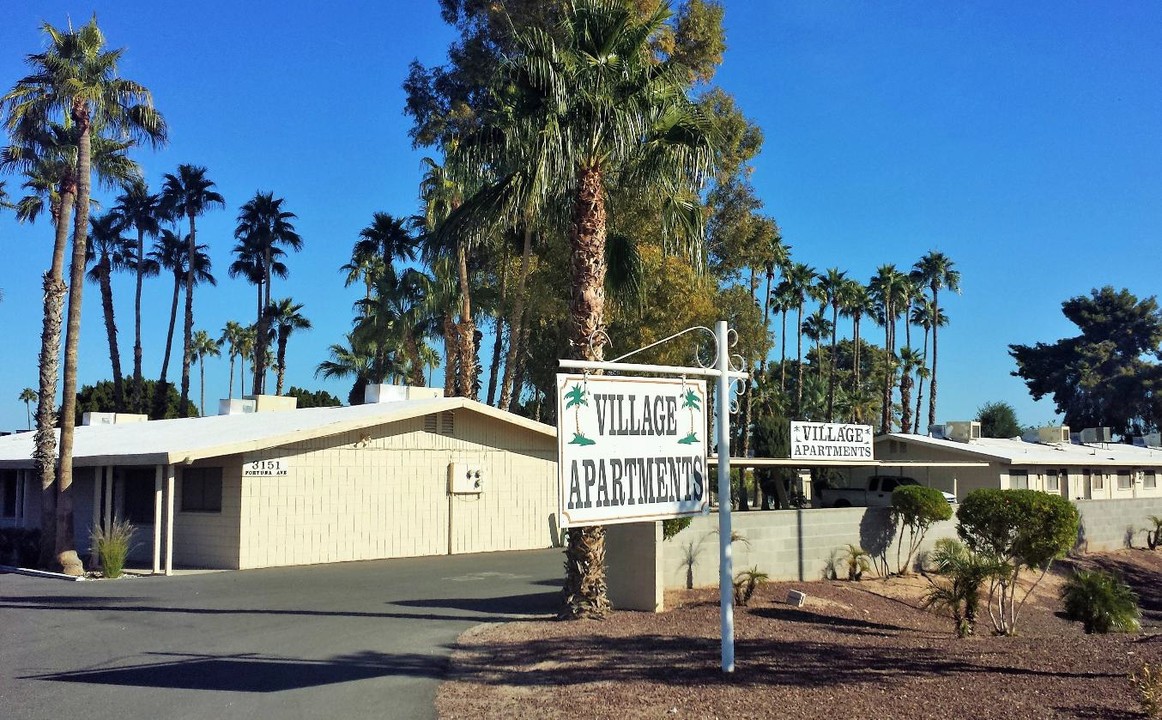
[(745, 583), (113, 546), (916, 508), (1101, 602), (965, 572), (858, 562), (1154, 537), (1024, 529), (673, 526), (1148, 682)]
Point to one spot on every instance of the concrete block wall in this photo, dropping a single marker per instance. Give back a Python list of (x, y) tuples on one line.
[(203, 539), (638, 547), (1113, 524)]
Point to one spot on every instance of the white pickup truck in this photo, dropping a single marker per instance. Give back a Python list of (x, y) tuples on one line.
[(878, 493)]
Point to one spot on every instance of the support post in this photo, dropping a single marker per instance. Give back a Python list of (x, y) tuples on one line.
[(98, 493), (725, 561), (157, 500), (169, 502)]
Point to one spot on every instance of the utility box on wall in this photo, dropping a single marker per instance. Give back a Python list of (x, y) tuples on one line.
[(464, 480)]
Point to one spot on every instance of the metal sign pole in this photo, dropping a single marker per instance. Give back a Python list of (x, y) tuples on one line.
[(725, 561)]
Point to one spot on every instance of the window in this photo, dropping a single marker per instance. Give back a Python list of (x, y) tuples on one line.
[(202, 489), (1125, 480), (1098, 481), (9, 482), (137, 505), (1149, 479), (1052, 484), (1019, 479)]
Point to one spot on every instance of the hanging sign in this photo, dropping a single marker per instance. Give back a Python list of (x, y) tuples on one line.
[(830, 441), (630, 449)]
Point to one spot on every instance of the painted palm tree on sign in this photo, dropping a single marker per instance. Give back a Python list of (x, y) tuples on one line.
[(108, 252), (691, 401), (286, 315), (936, 271), (577, 397), (74, 83), (189, 194), (203, 346), (28, 396)]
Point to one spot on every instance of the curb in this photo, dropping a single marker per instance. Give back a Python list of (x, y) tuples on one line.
[(39, 573)]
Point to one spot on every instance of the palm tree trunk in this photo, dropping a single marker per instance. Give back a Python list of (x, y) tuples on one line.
[(111, 334), (886, 398), (466, 330), (831, 364), (498, 340), (137, 376), (280, 363), (920, 389), (159, 392), (188, 333), (44, 453), (584, 592), (451, 356), (932, 383), (905, 400), (66, 553), (262, 323), (515, 318), (202, 386), (231, 392), (799, 371), (783, 356)]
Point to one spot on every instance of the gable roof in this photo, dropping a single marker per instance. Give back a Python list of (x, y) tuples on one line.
[(162, 442), (1018, 452)]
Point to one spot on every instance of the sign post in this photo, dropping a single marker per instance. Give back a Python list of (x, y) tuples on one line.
[(595, 484)]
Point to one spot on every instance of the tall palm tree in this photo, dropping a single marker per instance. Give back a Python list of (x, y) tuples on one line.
[(139, 209), (74, 82), (936, 271), (596, 105), (108, 252), (189, 194), (356, 360), (172, 253), (246, 341), (924, 315), (266, 229), (28, 395), (232, 338), (857, 303), (203, 346), (910, 362), (831, 286), (798, 285), (887, 288), (287, 317)]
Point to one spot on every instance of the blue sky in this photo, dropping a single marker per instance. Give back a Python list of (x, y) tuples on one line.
[(1021, 139)]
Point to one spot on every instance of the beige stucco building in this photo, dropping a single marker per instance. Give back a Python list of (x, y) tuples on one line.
[(402, 478)]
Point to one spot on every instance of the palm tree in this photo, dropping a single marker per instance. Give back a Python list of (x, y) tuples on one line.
[(203, 346), (935, 270), (887, 288), (925, 316), (857, 303), (287, 317), (265, 228), (831, 286), (139, 209), (246, 342), (233, 338), (596, 105), (28, 395), (107, 252), (189, 194), (74, 83), (356, 359), (910, 362), (171, 252), (798, 284)]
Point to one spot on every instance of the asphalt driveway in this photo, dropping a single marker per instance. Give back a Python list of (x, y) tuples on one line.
[(351, 640)]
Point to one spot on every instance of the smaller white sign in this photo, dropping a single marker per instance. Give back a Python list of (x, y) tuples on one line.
[(830, 441), (265, 468)]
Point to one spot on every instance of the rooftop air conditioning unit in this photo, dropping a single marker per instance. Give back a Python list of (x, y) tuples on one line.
[(1095, 435), (1152, 439), (962, 430), (1053, 435), (938, 431), (236, 406)]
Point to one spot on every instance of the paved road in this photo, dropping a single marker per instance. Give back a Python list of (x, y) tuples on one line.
[(352, 640)]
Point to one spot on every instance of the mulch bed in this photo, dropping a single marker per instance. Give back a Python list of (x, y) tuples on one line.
[(853, 650)]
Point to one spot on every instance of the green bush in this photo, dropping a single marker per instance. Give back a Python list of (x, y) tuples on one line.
[(673, 526), (858, 562), (1101, 602), (113, 546), (964, 573), (1023, 529), (1154, 537), (916, 508), (745, 583)]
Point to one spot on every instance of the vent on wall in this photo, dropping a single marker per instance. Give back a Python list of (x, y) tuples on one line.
[(447, 423), (430, 423)]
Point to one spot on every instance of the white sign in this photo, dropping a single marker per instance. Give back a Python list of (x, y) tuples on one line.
[(630, 449), (830, 441), (265, 468)]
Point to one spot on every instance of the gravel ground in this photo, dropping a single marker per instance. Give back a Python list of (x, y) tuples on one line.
[(854, 650)]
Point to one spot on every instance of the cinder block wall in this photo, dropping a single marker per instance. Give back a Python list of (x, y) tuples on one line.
[(1112, 524)]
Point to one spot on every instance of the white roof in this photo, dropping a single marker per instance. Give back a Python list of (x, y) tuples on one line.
[(1018, 452), (160, 442)]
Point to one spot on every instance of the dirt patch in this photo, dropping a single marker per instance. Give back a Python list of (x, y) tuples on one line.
[(853, 650)]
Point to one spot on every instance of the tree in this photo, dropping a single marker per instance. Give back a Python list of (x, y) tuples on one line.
[(966, 572), (597, 105), (203, 346), (309, 399), (139, 209), (28, 395), (287, 317), (264, 230), (1025, 530), (998, 420), (935, 270), (888, 290), (916, 508), (99, 398), (233, 337), (189, 194), (1100, 377), (833, 285), (357, 360), (75, 82), (171, 253), (107, 253)]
